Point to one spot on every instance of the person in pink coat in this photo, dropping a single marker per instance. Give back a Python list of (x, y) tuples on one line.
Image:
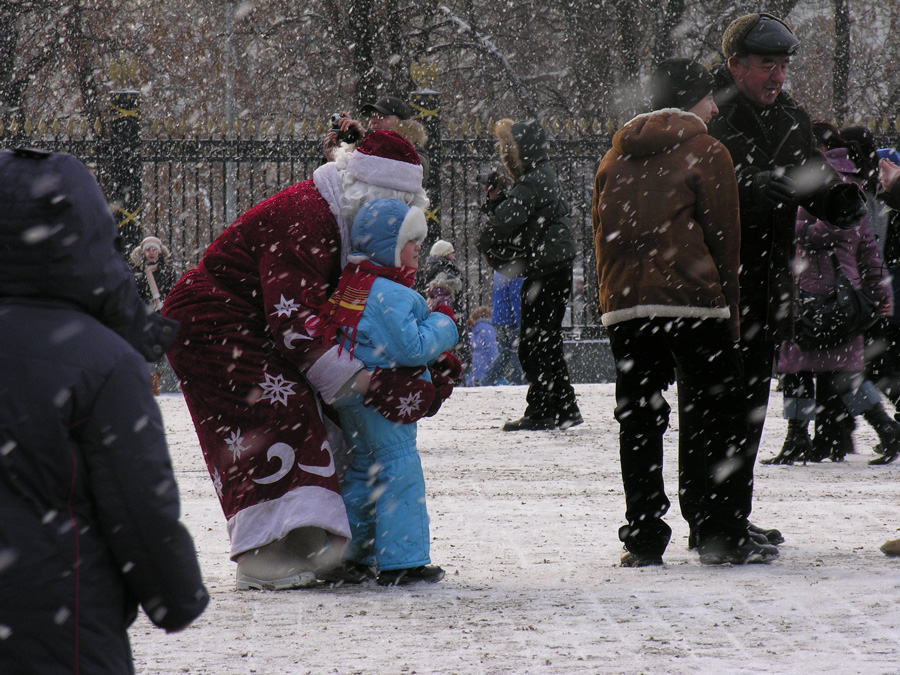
[(258, 383), (829, 385)]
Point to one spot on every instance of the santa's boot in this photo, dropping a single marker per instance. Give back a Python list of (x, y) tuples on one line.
[(273, 567), (797, 444), (888, 431)]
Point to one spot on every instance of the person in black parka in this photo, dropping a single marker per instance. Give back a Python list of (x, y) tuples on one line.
[(89, 507), (535, 213)]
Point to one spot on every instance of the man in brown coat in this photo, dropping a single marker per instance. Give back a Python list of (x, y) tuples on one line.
[(667, 237)]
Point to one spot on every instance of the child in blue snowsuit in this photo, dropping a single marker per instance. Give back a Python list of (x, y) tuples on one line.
[(386, 324)]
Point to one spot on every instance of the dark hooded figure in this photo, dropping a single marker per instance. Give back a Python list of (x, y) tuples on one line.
[(535, 213), (89, 508)]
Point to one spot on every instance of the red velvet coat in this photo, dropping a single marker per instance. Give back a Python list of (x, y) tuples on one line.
[(242, 357)]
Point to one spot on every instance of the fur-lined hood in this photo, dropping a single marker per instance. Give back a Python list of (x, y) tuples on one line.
[(523, 145)]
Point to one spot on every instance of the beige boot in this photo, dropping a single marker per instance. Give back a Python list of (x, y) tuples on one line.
[(273, 568), (312, 544)]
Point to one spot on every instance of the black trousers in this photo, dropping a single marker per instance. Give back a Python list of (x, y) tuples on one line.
[(544, 300), (758, 360), (714, 482)]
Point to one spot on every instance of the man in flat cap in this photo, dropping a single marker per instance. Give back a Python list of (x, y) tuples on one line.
[(778, 169)]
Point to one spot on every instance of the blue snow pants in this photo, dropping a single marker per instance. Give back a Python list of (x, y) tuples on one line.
[(384, 492)]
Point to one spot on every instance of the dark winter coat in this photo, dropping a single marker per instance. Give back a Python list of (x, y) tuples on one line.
[(665, 217), (763, 140), (89, 508), (856, 252), (535, 211)]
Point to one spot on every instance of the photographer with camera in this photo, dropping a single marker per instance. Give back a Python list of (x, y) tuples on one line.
[(389, 113), (533, 216)]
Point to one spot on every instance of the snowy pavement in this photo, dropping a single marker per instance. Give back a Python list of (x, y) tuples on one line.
[(525, 525)]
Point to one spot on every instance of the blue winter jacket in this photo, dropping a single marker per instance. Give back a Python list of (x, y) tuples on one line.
[(396, 329)]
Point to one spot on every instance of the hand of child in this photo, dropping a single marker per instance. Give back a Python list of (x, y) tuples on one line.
[(445, 371), (448, 365), (444, 308)]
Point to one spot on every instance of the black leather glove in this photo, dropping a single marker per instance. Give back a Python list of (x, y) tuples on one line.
[(845, 205), (773, 187)]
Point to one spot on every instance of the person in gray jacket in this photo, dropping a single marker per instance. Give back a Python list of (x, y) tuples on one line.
[(89, 508)]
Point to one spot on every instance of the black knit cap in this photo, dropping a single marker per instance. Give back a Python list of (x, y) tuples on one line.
[(679, 83)]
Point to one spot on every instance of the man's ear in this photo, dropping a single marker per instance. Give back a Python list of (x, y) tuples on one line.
[(734, 62)]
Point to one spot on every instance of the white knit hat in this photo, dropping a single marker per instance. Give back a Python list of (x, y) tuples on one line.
[(441, 249)]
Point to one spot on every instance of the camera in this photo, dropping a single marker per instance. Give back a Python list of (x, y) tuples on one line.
[(351, 135), (490, 179)]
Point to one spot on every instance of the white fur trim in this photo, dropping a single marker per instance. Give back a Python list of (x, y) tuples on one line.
[(664, 311), (331, 372), (386, 172), (328, 182), (309, 506), (671, 111), (413, 227)]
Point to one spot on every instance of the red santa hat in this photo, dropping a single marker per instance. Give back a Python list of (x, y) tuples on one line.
[(388, 160)]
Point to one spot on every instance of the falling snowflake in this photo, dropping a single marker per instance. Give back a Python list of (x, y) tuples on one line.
[(286, 307), (409, 404), (276, 389), (235, 444), (217, 482)]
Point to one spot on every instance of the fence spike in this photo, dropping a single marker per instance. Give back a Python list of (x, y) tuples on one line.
[(42, 127), (29, 127), (2, 128), (98, 126)]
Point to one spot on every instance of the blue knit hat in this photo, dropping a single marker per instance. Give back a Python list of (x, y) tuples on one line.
[(382, 228)]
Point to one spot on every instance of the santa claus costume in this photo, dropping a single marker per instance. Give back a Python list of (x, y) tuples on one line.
[(253, 377)]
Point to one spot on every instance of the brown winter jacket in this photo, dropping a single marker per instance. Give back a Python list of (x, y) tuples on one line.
[(666, 225)]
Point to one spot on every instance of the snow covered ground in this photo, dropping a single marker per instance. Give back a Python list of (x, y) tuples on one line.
[(525, 525)]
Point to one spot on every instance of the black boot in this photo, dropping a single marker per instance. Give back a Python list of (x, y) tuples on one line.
[(797, 444), (833, 439), (888, 431)]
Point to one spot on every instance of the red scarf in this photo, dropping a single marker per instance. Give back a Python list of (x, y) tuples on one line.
[(345, 307)]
